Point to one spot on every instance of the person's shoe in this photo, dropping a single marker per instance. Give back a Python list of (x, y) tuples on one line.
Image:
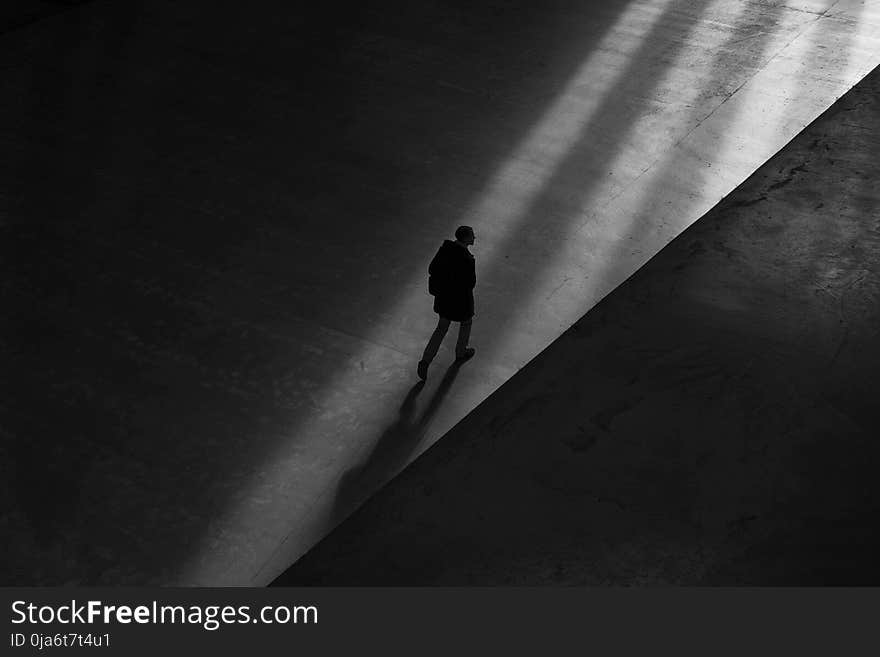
[(423, 370), (467, 354)]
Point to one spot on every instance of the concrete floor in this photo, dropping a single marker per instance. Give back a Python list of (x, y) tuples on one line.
[(216, 223), (711, 421)]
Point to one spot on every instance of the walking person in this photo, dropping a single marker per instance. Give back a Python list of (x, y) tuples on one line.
[(452, 276)]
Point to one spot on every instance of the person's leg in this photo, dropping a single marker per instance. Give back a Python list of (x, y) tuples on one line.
[(436, 338), (461, 346)]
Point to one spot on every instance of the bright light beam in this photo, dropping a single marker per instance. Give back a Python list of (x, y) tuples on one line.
[(307, 506)]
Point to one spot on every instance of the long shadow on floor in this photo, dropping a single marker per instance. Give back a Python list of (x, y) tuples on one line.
[(393, 449)]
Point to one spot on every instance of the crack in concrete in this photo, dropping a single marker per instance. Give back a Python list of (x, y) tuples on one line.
[(788, 178), (747, 203), (844, 338), (557, 288)]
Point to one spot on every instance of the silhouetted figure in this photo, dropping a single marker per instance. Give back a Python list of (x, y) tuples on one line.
[(452, 276)]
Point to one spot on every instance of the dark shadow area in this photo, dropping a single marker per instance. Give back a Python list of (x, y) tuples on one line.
[(21, 13), (170, 165), (60, 420), (707, 422)]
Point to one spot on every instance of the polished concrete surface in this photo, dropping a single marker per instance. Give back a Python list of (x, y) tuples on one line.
[(712, 421), (216, 223)]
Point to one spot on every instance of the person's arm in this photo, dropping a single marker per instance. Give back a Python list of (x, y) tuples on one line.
[(437, 274)]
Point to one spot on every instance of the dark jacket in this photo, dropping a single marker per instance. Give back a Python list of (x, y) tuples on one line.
[(452, 276)]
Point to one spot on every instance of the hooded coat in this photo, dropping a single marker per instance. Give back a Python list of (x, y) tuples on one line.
[(452, 276)]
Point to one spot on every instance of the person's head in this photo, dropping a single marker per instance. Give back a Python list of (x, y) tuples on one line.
[(465, 235)]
